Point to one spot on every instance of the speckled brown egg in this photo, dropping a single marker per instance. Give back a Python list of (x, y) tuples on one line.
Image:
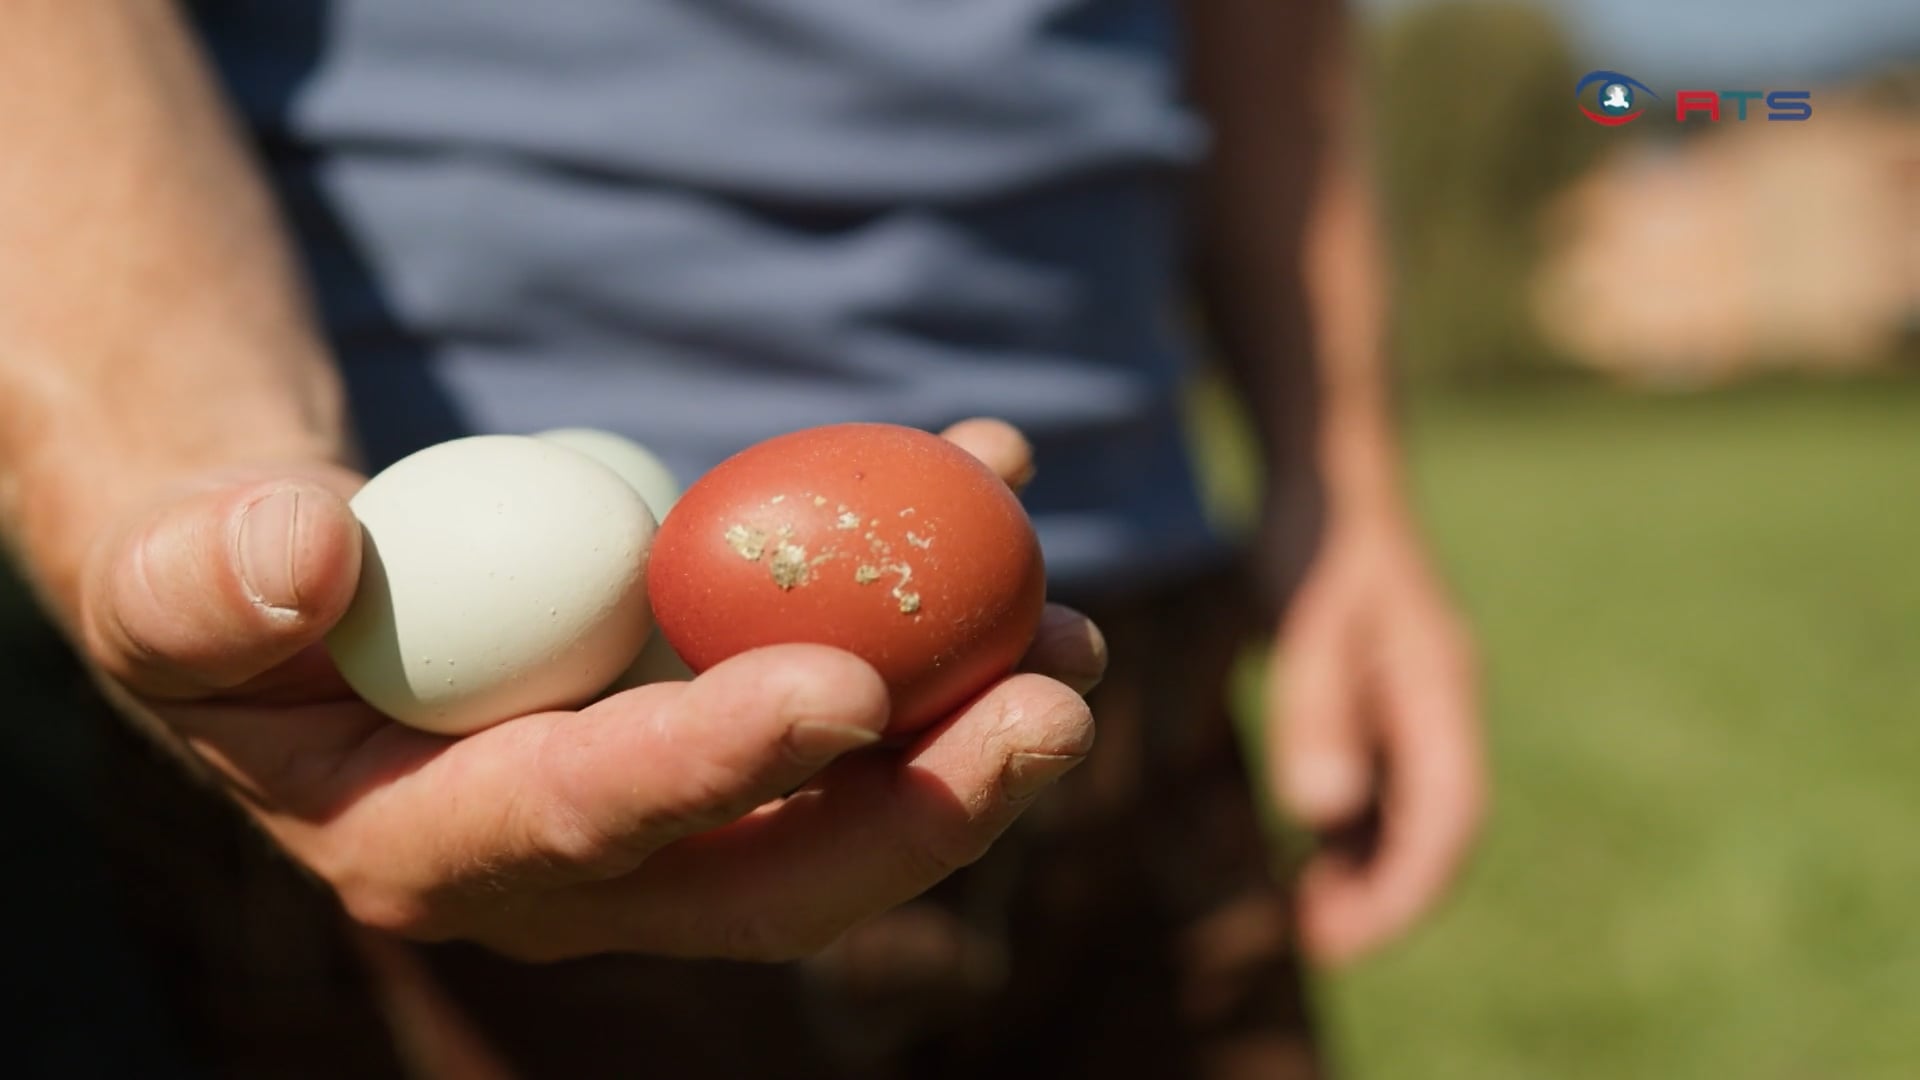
[(888, 542)]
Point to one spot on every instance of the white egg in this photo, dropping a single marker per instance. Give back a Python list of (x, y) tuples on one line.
[(501, 576), (656, 484), (637, 465)]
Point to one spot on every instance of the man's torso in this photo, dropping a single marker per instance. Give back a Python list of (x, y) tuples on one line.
[(704, 222)]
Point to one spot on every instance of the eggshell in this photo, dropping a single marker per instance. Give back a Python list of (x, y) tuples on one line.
[(637, 465), (501, 576), (656, 484), (891, 543)]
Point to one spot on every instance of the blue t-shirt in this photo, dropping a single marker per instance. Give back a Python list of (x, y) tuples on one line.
[(704, 222)]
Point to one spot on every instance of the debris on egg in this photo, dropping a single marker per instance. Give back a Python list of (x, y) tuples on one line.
[(748, 558)]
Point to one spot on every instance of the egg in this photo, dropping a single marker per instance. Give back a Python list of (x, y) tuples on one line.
[(637, 465), (656, 484), (888, 542), (500, 576)]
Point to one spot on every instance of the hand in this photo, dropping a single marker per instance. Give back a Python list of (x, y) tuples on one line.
[(1374, 739), (652, 821)]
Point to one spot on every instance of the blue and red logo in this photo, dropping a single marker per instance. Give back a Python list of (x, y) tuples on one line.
[(1614, 100), (1620, 99)]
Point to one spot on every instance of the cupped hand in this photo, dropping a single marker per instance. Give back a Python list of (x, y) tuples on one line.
[(1375, 740), (745, 814)]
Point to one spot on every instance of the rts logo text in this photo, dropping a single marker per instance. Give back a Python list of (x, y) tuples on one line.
[(1621, 99)]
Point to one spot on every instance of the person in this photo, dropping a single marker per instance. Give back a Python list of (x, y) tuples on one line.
[(700, 224)]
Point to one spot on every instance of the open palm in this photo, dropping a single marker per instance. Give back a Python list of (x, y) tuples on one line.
[(748, 813)]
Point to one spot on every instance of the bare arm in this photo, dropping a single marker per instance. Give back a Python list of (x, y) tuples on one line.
[(170, 442), (1292, 267), (1374, 709), (151, 322)]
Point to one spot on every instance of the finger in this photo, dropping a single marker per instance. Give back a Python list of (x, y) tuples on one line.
[(221, 585), (1321, 760), (1432, 809), (999, 444), (564, 797), (871, 833), (1067, 647)]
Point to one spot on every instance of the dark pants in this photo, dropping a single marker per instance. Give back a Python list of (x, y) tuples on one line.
[(1131, 925)]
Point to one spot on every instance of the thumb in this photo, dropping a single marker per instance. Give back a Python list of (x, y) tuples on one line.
[(1321, 759), (222, 585)]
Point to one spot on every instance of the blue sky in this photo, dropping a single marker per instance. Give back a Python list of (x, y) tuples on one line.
[(1758, 42)]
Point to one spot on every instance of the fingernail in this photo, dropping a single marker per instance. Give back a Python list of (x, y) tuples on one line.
[(814, 741), (268, 545), (1084, 680), (1026, 774)]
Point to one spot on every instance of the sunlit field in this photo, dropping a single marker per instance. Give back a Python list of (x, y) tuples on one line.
[(1702, 619)]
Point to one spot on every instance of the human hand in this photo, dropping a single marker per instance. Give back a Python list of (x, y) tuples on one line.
[(651, 821), (1374, 739)]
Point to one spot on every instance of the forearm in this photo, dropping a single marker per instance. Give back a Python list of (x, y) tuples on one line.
[(1347, 281), (1292, 265), (151, 321)]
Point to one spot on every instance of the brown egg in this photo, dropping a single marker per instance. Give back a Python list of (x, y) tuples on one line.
[(885, 541)]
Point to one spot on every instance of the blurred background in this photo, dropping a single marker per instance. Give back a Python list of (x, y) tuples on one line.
[(1664, 419), (1663, 405)]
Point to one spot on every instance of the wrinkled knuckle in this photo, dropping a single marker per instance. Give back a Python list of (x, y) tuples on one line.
[(96, 646), (109, 643), (368, 897), (561, 835), (705, 798), (131, 582), (559, 832)]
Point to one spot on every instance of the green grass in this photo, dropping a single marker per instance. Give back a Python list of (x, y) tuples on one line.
[(1702, 620)]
